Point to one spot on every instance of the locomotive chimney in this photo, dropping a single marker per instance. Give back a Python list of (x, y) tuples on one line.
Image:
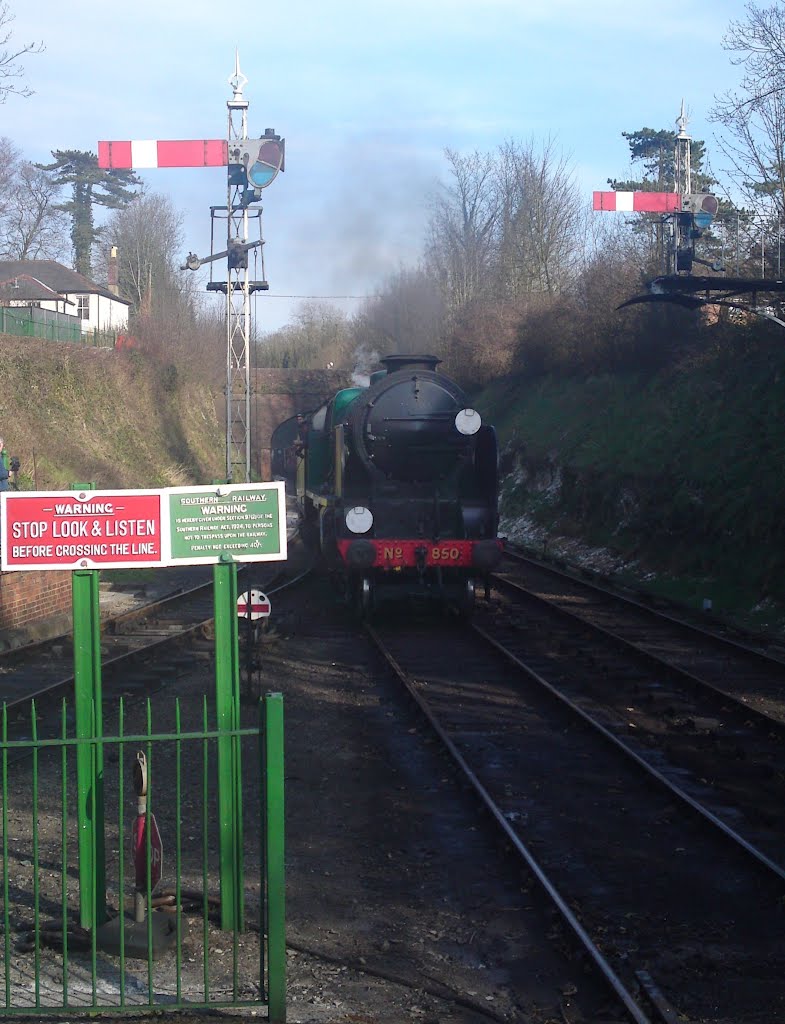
[(114, 287), (409, 362)]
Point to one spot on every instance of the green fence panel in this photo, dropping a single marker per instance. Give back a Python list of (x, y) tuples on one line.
[(51, 325), (177, 956)]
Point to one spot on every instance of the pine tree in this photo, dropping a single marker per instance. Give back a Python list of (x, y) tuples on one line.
[(91, 186), (655, 151)]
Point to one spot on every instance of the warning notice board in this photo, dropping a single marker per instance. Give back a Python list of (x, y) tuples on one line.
[(80, 529), (246, 521), (173, 526)]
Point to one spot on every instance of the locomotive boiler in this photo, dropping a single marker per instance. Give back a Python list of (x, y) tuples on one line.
[(397, 484)]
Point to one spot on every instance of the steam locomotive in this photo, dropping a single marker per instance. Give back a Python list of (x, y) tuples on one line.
[(397, 483)]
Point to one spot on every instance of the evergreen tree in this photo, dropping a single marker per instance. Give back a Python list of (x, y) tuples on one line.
[(91, 186), (655, 150)]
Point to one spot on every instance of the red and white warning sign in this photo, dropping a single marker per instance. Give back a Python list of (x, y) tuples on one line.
[(80, 529), (259, 605)]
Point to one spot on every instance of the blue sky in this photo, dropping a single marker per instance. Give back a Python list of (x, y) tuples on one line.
[(367, 96)]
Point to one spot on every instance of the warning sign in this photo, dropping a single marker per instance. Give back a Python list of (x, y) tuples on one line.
[(253, 604), (80, 529), (115, 529), (245, 521)]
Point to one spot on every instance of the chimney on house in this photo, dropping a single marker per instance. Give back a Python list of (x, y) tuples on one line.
[(114, 287)]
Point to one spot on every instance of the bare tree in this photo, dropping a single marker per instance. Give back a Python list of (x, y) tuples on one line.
[(10, 66), (9, 163), (31, 224), (461, 231), (167, 319), (505, 226), (148, 235), (407, 315), (753, 116), (539, 217), (760, 46), (319, 337), (32, 227)]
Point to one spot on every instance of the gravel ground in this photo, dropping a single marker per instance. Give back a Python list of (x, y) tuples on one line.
[(399, 905)]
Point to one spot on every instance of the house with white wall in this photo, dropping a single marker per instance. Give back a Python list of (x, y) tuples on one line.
[(50, 285)]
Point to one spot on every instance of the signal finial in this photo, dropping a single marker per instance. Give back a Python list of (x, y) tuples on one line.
[(682, 120), (238, 81)]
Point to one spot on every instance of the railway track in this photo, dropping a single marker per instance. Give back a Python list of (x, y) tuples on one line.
[(44, 670), (683, 643), (707, 711), (661, 874), (140, 648), (670, 903)]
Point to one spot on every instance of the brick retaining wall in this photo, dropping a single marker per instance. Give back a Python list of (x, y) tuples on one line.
[(279, 394), (28, 598)]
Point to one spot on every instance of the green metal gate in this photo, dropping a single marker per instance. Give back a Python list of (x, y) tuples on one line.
[(179, 957)]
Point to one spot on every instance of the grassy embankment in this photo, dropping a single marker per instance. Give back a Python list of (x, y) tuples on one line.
[(118, 419), (680, 474)]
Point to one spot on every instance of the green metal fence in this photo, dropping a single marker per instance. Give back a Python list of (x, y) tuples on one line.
[(178, 957), (34, 322)]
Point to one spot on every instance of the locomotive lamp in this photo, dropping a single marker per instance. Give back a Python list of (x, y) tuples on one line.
[(468, 422), (359, 519)]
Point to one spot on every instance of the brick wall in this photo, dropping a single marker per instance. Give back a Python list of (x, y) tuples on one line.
[(279, 394), (27, 598)]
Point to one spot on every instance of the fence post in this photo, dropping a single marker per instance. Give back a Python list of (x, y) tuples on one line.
[(274, 856), (227, 705), (89, 753)]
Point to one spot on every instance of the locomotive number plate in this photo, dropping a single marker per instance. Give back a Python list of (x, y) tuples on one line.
[(447, 554), (408, 554), (390, 554)]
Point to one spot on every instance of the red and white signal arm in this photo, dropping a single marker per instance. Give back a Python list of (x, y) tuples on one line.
[(259, 604)]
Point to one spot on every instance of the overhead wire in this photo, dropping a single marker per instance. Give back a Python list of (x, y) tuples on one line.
[(273, 296)]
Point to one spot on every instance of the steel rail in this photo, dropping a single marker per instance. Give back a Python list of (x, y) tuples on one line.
[(628, 1000), (144, 649), (649, 769), (696, 682), (681, 623)]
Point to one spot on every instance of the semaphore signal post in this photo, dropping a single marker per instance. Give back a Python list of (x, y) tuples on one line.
[(688, 212), (199, 535), (252, 164)]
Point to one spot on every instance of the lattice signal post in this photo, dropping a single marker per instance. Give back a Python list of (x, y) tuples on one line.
[(689, 212), (252, 165)]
